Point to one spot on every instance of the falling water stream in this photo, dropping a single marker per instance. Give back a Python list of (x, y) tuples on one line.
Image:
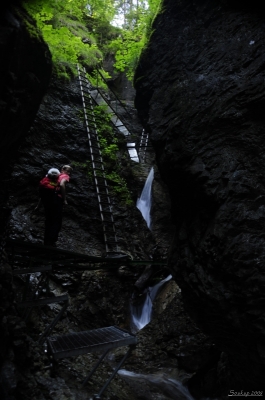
[(144, 202), (141, 315), (172, 388)]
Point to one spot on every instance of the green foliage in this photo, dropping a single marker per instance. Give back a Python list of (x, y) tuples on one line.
[(127, 49), (119, 186), (134, 38), (110, 152), (74, 30), (103, 10), (62, 24), (96, 80), (85, 166)]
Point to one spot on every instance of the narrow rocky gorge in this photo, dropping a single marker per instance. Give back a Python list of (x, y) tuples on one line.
[(200, 93)]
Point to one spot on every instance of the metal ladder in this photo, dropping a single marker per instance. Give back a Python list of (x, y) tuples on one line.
[(117, 101), (143, 145), (105, 207), (100, 99)]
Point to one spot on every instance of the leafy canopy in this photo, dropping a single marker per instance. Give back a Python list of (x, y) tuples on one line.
[(137, 28), (63, 24), (81, 30)]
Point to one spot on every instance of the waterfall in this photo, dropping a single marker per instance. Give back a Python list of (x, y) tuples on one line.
[(164, 381), (141, 314), (172, 388), (144, 202)]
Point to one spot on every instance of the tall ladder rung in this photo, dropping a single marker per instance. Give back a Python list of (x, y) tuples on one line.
[(112, 242), (89, 117), (103, 194), (105, 202), (95, 151), (108, 221), (98, 169), (104, 198), (96, 158), (89, 97), (107, 213), (101, 188), (98, 164)]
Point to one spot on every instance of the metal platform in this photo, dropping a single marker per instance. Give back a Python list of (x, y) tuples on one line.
[(27, 258), (96, 340)]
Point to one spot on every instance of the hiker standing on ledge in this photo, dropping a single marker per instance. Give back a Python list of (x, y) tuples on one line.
[(53, 196)]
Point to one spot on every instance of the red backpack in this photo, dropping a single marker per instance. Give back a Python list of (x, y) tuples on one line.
[(48, 190)]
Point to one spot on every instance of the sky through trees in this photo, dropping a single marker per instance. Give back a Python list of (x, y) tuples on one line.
[(85, 31)]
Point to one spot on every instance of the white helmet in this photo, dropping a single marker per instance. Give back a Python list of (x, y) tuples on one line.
[(53, 172)]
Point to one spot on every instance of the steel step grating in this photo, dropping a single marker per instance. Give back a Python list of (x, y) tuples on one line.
[(78, 343)]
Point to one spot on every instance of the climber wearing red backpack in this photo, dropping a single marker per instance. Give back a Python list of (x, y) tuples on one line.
[(52, 189)]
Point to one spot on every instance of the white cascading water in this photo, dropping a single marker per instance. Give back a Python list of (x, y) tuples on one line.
[(141, 314), (172, 388), (144, 202)]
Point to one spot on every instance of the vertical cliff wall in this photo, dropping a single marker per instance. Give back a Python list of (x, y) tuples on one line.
[(25, 71), (201, 91)]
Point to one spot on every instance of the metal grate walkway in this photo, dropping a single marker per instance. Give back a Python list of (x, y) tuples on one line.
[(96, 340), (28, 258)]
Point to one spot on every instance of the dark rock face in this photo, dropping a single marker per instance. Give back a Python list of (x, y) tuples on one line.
[(24, 76), (200, 89), (25, 71)]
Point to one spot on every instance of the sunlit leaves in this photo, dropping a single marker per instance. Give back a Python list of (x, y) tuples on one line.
[(63, 28), (129, 45), (101, 9)]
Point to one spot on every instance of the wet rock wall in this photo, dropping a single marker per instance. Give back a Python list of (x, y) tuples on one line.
[(201, 92), (24, 75), (25, 71)]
